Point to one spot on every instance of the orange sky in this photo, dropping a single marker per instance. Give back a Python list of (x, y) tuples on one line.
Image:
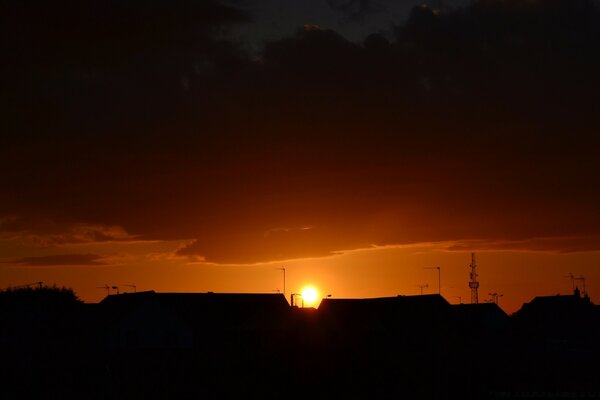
[(388, 271)]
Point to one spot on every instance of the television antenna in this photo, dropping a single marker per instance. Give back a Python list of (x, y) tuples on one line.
[(582, 279), (131, 286), (572, 277), (495, 297), (105, 287), (439, 270)]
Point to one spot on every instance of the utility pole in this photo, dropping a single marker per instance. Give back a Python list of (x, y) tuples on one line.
[(572, 277), (496, 297), (422, 287), (439, 270), (283, 269), (473, 283)]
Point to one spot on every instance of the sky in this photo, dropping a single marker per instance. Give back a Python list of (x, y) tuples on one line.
[(200, 145)]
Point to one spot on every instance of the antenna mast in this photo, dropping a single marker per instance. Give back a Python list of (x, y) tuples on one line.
[(582, 279), (473, 283), (572, 281), (283, 269)]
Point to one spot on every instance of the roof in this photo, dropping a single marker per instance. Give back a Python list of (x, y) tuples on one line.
[(431, 301), (394, 313), (210, 298), (203, 309), (481, 317), (480, 310), (555, 304), (564, 311)]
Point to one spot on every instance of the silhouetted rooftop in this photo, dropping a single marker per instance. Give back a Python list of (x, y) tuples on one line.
[(389, 313), (400, 298), (220, 309), (480, 319), (480, 308), (558, 304), (241, 299), (431, 300)]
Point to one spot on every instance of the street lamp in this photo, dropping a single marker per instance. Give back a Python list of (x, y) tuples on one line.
[(439, 278), (283, 269)]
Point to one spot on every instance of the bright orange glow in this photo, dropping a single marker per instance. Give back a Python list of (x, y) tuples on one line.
[(310, 295), (393, 270)]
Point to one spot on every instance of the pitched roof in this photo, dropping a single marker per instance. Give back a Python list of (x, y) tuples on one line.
[(394, 313), (560, 311), (243, 300), (431, 301), (555, 304), (480, 317), (222, 309), (480, 309)]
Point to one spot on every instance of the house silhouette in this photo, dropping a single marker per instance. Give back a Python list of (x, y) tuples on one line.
[(232, 345), (190, 320)]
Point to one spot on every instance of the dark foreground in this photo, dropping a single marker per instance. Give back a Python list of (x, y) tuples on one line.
[(203, 346)]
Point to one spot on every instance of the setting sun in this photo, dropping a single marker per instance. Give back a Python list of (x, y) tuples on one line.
[(310, 295)]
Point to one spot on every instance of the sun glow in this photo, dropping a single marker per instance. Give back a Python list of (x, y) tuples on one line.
[(310, 295)]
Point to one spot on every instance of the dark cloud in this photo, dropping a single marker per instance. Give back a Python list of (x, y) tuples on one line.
[(60, 260), (50, 233), (96, 66), (475, 124), (354, 10), (545, 244), (102, 34), (271, 245)]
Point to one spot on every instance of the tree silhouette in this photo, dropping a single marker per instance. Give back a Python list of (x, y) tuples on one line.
[(48, 295)]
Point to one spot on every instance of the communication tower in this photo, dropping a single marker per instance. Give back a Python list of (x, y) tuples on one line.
[(473, 283)]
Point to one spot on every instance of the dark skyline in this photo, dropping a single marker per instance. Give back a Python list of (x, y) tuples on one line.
[(232, 345)]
